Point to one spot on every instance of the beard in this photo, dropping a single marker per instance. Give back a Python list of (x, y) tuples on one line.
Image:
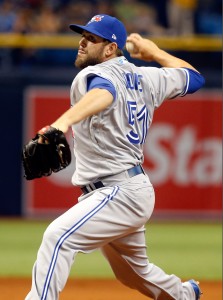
[(89, 61)]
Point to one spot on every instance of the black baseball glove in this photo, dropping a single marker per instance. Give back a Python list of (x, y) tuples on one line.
[(47, 152)]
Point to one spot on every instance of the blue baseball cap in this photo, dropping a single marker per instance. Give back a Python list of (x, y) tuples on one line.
[(106, 27)]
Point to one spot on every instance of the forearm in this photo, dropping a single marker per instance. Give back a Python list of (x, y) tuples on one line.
[(169, 61), (147, 50)]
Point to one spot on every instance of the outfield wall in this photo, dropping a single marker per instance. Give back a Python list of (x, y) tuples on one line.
[(183, 154)]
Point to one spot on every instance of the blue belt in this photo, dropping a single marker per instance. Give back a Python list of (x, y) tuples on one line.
[(99, 184)]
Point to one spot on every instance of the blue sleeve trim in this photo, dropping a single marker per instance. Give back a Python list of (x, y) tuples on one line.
[(95, 81), (194, 81)]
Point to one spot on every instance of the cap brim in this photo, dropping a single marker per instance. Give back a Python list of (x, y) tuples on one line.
[(77, 28), (80, 29)]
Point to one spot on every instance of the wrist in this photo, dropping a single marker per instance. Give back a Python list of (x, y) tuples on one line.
[(60, 126)]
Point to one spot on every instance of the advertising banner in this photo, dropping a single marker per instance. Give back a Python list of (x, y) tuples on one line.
[(183, 154)]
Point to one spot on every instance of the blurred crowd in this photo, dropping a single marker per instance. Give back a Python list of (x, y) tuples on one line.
[(151, 17)]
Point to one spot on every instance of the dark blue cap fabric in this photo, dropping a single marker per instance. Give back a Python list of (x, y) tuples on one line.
[(106, 27)]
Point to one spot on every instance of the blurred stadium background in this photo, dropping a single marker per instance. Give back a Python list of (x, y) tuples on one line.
[(183, 153)]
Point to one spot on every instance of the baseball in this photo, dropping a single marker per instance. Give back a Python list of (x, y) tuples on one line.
[(130, 47)]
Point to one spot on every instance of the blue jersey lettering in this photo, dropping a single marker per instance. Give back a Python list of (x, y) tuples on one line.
[(137, 136), (133, 81)]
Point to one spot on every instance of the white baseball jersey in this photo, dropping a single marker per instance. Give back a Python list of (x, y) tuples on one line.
[(112, 141)]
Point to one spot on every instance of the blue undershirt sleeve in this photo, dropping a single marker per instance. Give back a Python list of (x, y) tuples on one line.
[(194, 81), (101, 83)]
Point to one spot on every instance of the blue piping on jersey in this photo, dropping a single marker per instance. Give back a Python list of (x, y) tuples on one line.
[(68, 233), (187, 83)]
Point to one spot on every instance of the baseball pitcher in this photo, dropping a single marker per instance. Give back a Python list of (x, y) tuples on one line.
[(112, 107)]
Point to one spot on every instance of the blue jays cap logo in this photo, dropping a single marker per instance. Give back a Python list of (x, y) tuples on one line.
[(97, 18)]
